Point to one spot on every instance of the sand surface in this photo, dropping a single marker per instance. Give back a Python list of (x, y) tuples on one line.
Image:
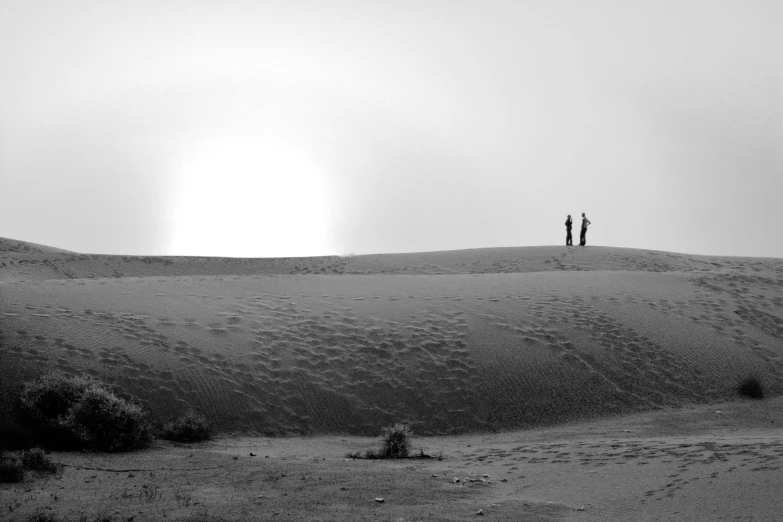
[(519, 338), (464, 346)]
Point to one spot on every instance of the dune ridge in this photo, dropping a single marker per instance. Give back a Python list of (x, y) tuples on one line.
[(451, 342), (28, 261)]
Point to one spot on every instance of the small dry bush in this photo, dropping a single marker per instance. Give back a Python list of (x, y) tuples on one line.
[(44, 405), (751, 387), (37, 460), (187, 428), (395, 441), (73, 412), (395, 444), (11, 470)]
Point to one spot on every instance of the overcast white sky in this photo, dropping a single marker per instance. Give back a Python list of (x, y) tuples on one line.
[(264, 128)]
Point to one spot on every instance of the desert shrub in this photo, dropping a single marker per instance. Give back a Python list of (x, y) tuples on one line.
[(187, 428), (50, 397), (395, 441), (11, 470), (751, 387), (102, 421), (44, 405), (81, 412), (36, 459)]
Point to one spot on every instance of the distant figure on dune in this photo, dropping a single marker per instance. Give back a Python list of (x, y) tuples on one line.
[(569, 239), (583, 235)]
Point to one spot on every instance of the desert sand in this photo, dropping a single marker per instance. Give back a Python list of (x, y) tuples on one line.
[(589, 383)]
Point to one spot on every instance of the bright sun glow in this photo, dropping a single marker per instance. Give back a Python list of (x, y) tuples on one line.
[(250, 197)]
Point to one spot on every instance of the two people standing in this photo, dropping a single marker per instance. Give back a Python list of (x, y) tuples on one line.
[(583, 236)]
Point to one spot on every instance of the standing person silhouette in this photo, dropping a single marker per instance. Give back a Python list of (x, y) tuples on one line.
[(569, 240), (583, 235)]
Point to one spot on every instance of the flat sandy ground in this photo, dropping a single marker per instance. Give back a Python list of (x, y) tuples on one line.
[(722, 462), (587, 383)]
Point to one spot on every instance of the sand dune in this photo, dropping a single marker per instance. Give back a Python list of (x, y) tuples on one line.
[(452, 342), (28, 261)]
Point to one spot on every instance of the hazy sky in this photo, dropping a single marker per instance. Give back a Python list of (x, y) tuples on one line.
[(264, 128)]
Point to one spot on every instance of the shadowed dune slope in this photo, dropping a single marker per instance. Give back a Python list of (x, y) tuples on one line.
[(483, 339)]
